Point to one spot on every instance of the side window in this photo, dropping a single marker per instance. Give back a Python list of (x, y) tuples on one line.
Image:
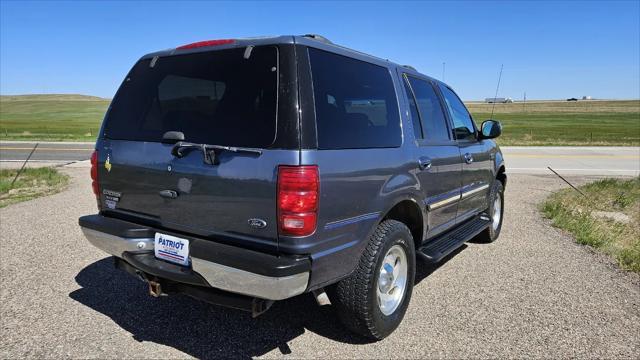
[(434, 124), (463, 127), (415, 117), (355, 103)]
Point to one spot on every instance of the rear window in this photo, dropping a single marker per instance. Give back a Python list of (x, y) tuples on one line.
[(217, 97), (355, 103)]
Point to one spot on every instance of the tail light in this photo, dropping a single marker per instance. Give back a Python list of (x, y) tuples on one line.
[(94, 175), (298, 191)]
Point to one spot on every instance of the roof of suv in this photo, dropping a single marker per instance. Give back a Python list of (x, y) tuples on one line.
[(312, 40)]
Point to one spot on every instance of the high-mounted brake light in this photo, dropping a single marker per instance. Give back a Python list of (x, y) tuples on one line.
[(94, 175), (206, 43), (298, 191)]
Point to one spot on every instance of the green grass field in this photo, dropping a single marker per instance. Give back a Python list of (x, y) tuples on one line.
[(78, 117), (32, 183), (51, 117), (565, 123)]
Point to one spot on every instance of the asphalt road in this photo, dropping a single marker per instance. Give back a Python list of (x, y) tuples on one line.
[(532, 293), (525, 160), (46, 151), (573, 160)]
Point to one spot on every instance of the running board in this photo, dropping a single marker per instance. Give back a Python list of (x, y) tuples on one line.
[(443, 245)]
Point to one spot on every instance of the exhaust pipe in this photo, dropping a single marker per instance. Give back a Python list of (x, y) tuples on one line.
[(160, 287), (321, 297)]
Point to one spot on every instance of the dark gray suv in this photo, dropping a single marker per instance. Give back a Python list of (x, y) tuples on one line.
[(242, 172)]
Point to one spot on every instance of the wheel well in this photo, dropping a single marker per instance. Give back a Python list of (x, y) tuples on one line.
[(502, 176), (408, 212)]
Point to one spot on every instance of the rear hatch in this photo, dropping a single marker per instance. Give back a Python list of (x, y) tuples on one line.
[(227, 97)]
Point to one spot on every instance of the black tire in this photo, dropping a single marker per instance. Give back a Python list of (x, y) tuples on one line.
[(493, 232), (355, 297)]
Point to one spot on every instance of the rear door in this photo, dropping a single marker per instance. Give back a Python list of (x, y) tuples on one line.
[(477, 164), (436, 152), (217, 97)]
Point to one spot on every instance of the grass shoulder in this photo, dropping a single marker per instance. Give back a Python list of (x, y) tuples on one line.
[(607, 218), (32, 183)]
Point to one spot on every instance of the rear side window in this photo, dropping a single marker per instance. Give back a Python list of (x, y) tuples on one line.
[(355, 103), (463, 127), (415, 117), (434, 124), (214, 97)]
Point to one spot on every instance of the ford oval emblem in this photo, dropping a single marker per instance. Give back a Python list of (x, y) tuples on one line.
[(257, 223)]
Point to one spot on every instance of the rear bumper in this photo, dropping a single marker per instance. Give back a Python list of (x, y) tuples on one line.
[(215, 265)]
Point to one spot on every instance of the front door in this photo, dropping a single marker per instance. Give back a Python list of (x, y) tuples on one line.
[(437, 155), (477, 164)]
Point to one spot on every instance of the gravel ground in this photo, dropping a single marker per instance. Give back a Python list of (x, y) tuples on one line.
[(533, 293)]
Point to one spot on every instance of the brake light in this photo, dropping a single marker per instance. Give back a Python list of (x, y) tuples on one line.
[(206, 43), (298, 191), (94, 174)]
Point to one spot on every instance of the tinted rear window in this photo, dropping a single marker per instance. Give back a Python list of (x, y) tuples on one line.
[(434, 124), (214, 97), (355, 103)]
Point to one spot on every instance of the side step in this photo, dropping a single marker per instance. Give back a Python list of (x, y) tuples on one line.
[(443, 245)]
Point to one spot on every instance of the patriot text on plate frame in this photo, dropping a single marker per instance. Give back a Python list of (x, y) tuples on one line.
[(172, 249)]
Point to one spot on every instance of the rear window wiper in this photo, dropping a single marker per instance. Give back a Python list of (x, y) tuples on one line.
[(209, 151)]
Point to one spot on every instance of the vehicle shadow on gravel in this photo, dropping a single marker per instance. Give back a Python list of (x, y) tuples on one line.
[(203, 330), (423, 270), (199, 329)]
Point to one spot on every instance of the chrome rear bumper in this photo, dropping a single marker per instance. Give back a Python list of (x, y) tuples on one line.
[(217, 275)]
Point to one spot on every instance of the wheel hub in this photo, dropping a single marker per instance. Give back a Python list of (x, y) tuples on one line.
[(392, 280), (497, 212)]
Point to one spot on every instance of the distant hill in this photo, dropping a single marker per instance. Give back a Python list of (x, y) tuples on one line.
[(51, 97)]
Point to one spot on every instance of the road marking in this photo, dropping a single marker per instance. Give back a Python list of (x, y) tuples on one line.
[(48, 149), (545, 169), (547, 156), (21, 142), (572, 148), (45, 161)]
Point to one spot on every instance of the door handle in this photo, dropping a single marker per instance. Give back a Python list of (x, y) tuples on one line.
[(424, 163), (468, 158), (169, 194)]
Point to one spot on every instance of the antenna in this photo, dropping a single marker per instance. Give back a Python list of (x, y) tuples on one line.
[(443, 63), (496, 95)]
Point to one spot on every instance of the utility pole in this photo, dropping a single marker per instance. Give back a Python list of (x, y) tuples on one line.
[(524, 102)]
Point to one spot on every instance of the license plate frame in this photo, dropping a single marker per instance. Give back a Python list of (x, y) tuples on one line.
[(171, 248)]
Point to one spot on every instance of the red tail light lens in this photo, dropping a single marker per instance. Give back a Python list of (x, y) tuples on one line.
[(298, 191), (206, 43), (94, 174)]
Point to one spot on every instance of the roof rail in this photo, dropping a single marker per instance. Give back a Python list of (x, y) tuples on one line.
[(318, 37), (323, 39), (410, 67)]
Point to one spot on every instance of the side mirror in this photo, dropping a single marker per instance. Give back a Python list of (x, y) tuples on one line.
[(490, 129)]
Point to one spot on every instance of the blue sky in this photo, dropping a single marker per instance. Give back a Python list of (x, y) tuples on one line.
[(549, 49)]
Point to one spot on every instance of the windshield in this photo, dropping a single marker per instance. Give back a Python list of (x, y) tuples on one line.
[(217, 97)]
